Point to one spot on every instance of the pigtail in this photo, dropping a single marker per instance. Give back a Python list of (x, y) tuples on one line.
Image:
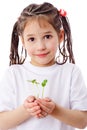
[(14, 57), (67, 45)]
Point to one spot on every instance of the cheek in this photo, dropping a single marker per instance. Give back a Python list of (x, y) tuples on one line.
[(53, 47), (30, 50), (53, 44)]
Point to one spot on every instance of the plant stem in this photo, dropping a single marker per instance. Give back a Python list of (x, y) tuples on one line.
[(42, 92)]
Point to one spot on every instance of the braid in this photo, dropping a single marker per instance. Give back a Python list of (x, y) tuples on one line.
[(14, 57), (67, 36), (66, 49)]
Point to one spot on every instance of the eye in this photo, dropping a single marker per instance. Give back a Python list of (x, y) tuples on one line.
[(47, 36), (32, 39)]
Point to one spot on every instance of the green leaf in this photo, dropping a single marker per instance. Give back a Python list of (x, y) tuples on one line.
[(33, 81), (44, 83)]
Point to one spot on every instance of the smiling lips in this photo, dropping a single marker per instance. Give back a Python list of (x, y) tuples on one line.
[(42, 55)]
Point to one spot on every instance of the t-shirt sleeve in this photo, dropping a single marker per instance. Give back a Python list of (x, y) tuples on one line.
[(78, 91), (7, 92)]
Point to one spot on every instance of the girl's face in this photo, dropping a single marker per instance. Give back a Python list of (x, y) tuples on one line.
[(41, 41)]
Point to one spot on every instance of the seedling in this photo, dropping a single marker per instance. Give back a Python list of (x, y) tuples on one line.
[(34, 82), (43, 84)]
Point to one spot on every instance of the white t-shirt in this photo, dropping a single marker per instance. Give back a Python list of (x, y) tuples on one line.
[(65, 87)]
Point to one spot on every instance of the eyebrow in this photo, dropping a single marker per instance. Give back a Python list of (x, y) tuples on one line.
[(30, 35), (48, 32)]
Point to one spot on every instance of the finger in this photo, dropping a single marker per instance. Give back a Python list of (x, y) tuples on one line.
[(42, 101), (30, 99), (44, 107), (44, 113), (33, 109), (39, 115), (47, 99), (30, 105), (36, 113)]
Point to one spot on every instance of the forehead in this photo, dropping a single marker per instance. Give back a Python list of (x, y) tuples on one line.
[(39, 21), (40, 18)]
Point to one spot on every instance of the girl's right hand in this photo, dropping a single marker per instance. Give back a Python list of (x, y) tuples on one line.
[(31, 106)]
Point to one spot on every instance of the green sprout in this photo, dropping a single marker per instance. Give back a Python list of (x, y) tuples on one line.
[(36, 83), (33, 81), (43, 85)]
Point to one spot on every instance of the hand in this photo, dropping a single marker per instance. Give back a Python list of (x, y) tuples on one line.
[(32, 106), (47, 105)]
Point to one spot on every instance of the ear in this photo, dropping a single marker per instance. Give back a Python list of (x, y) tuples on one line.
[(61, 36)]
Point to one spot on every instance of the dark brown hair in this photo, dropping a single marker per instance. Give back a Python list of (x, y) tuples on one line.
[(55, 19)]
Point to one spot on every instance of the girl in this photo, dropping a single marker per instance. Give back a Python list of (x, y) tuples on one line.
[(47, 92)]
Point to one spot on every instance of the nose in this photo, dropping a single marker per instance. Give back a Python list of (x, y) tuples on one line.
[(41, 45)]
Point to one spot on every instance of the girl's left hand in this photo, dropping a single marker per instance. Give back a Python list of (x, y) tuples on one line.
[(46, 104)]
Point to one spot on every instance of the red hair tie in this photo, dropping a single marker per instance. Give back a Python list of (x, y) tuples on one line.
[(62, 12)]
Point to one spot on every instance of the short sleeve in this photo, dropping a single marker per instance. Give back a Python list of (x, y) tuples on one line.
[(78, 91), (7, 92)]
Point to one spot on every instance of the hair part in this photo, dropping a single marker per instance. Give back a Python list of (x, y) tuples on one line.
[(51, 14)]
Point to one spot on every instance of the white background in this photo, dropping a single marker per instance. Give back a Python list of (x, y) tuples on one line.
[(76, 11)]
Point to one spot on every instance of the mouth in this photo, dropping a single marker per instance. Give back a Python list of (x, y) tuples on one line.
[(42, 55)]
